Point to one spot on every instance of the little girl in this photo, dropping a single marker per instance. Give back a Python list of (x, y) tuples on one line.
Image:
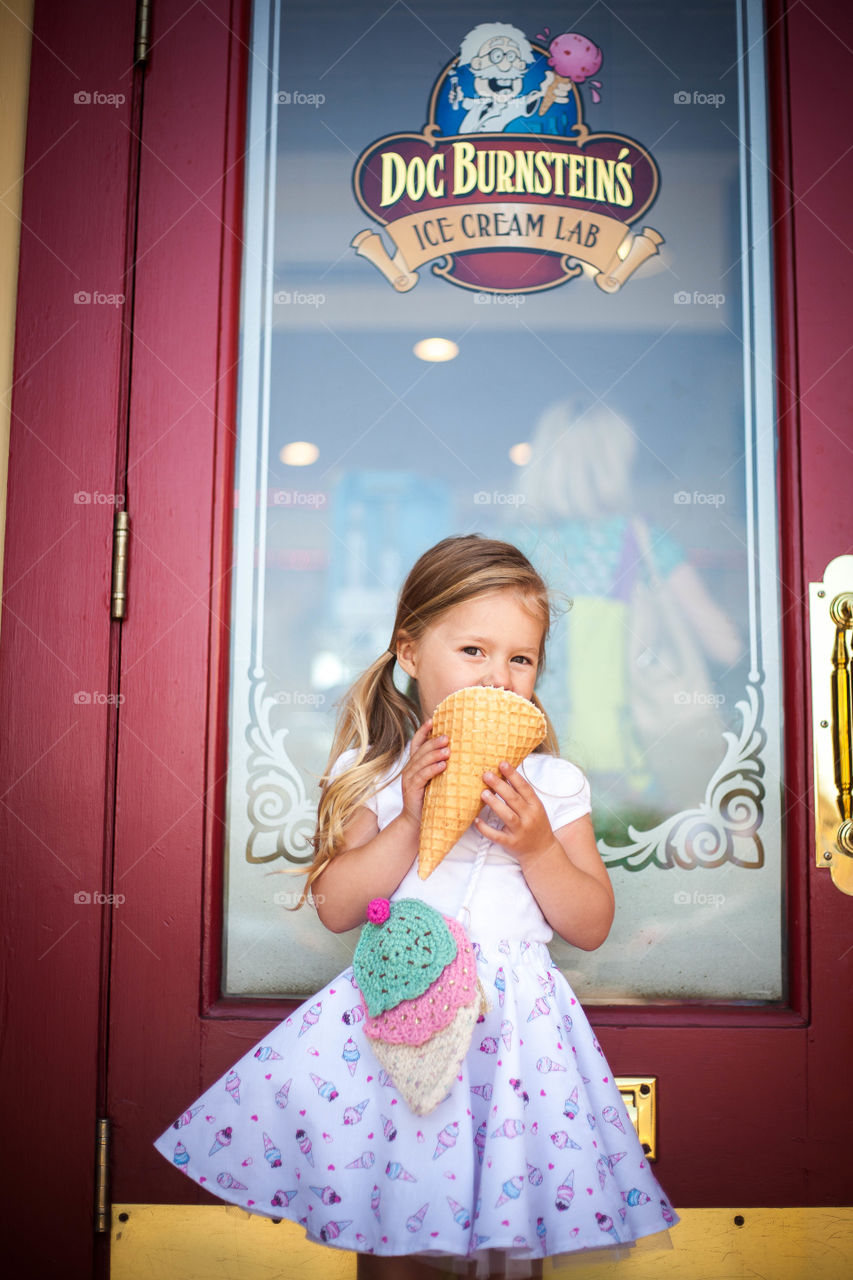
[(531, 1155)]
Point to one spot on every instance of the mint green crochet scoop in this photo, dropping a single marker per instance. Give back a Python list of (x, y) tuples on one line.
[(401, 954)]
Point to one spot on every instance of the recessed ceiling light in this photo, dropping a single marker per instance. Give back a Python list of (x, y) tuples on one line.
[(436, 349), (327, 670), (299, 453)]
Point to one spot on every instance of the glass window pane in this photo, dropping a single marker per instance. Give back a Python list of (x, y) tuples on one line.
[(615, 420)]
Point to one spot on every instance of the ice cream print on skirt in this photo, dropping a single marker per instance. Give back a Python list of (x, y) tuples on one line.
[(311, 1125)]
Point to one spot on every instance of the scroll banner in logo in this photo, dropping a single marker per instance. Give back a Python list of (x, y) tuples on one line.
[(578, 238)]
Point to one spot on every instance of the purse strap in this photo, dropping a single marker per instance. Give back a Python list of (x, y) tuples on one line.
[(644, 543), (681, 635), (473, 877)]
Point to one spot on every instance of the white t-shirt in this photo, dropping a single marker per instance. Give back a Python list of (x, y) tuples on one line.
[(502, 905)]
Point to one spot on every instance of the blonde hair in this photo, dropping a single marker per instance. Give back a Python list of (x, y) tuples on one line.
[(580, 462), (376, 718)]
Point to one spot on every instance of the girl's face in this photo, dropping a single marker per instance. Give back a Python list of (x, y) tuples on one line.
[(492, 639)]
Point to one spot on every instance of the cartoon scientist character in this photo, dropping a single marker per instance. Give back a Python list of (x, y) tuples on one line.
[(497, 56)]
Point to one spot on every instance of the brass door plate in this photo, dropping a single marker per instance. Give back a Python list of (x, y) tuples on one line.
[(639, 1093), (831, 722)]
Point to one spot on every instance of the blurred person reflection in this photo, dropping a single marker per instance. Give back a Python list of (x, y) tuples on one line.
[(579, 512)]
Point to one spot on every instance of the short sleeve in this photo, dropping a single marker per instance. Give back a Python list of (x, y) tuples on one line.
[(344, 760), (561, 786)]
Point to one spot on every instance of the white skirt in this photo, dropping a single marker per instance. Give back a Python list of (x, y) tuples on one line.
[(530, 1156)]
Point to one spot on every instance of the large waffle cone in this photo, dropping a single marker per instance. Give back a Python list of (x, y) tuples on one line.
[(484, 726)]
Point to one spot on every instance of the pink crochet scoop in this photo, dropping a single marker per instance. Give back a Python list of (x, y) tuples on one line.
[(414, 1021)]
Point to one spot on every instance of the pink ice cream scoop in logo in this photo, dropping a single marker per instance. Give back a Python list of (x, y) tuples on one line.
[(575, 57)]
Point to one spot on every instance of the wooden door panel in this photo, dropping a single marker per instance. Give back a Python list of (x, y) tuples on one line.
[(819, 396), (727, 1102), (819, 42), (57, 656), (168, 819)]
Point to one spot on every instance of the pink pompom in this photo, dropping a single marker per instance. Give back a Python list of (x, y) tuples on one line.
[(378, 910)]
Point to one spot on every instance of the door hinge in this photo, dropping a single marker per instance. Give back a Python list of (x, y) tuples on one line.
[(121, 538), (102, 1170), (142, 38)]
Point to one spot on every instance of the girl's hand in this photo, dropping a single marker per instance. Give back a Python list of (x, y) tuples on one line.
[(427, 757), (527, 832)]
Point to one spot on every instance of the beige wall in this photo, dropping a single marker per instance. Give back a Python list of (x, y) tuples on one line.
[(15, 42)]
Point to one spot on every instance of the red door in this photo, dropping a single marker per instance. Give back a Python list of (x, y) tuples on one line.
[(58, 662), (131, 797)]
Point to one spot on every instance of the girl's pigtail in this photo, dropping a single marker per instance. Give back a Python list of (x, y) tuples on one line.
[(377, 720), (550, 745), (392, 716)]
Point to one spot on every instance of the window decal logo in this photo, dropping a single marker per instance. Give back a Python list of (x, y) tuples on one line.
[(506, 189)]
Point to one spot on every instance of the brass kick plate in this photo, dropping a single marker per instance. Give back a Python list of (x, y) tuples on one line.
[(199, 1241), (639, 1093)]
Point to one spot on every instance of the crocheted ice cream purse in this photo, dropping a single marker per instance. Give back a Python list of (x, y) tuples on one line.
[(416, 971)]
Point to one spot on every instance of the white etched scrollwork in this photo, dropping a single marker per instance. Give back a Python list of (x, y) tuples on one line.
[(281, 816), (724, 828)]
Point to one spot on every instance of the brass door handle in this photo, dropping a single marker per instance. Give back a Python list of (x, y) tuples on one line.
[(831, 609), (841, 612)]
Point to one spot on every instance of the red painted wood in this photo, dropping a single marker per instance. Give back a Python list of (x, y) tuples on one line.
[(175, 640), (820, 38), (794, 620), (57, 639), (735, 1085)]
